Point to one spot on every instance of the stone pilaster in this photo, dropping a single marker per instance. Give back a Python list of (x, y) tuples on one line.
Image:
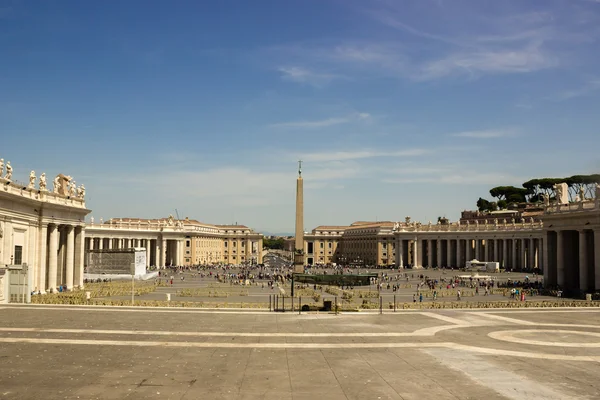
[(70, 256), (597, 258), (53, 258), (560, 259), (583, 262), (42, 257)]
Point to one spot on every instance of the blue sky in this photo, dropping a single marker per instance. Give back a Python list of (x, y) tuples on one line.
[(396, 107)]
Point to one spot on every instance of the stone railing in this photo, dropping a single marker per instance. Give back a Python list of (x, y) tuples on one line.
[(587, 205), (499, 227), (134, 226), (20, 189)]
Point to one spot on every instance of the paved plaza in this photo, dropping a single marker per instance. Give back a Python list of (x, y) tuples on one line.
[(79, 352), (229, 293)]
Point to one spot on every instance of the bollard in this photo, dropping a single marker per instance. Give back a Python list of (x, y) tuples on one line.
[(270, 308), (292, 303), (300, 305), (282, 303), (380, 304), (168, 296), (394, 303), (336, 307)]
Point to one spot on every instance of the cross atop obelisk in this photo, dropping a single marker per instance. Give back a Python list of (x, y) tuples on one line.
[(299, 233)]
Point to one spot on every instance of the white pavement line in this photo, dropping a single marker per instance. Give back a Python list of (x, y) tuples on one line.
[(431, 331), (524, 354), (446, 319), (493, 376), (509, 336), (219, 345), (448, 345), (506, 319)]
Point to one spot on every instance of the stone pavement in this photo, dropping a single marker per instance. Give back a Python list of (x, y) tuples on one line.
[(78, 352)]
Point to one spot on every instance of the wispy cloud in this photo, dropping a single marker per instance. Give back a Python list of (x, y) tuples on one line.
[(587, 89), (307, 76), (451, 44), (362, 154), (323, 122), (476, 63), (466, 176), (486, 134)]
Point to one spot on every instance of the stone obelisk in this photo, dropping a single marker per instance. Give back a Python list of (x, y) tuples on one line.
[(299, 238)]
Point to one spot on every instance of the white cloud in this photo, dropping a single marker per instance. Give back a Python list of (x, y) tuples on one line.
[(323, 122), (361, 154), (587, 89), (486, 134), (466, 176), (305, 75), (492, 61)]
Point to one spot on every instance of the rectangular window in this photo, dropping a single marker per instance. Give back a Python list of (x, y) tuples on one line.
[(310, 246), (321, 244), (329, 244), (18, 259), (187, 243)]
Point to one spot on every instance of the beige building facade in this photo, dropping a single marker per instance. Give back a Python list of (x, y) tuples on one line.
[(172, 242), (44, 228)]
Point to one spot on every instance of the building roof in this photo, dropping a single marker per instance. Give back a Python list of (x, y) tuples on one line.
[(330, 228), (380, 224)]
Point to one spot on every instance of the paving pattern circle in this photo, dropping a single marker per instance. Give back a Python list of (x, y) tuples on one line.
[(554, 337)]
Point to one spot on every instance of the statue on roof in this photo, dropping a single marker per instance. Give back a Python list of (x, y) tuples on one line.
[(9, 171), (32, 179), (43, 182), (1, 167)]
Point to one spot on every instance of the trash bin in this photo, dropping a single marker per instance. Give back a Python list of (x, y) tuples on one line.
[(168, 296), (327, 305), (588, 297)]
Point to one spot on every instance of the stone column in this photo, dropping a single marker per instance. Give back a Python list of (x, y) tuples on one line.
[(545, 257), (477, 250), (100, 243), (110, 243), (468, 250), (53, 258), (42, 256), (148, 253), (523, 254), (163, 252), (560, 259), (583, 262), (416, 253), (79, 256), (541, 255), (488, 249), (458, 253), (504, 253), (400, 253), (597, 258), (438, 261), (429, 253), (70, 256), (531, 251), (448, 252), (31, 259), (514, 255)]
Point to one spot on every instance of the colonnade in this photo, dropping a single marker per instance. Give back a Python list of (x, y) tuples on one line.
[(523, 253), (61, 257), (160, 251), (573, 259)]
